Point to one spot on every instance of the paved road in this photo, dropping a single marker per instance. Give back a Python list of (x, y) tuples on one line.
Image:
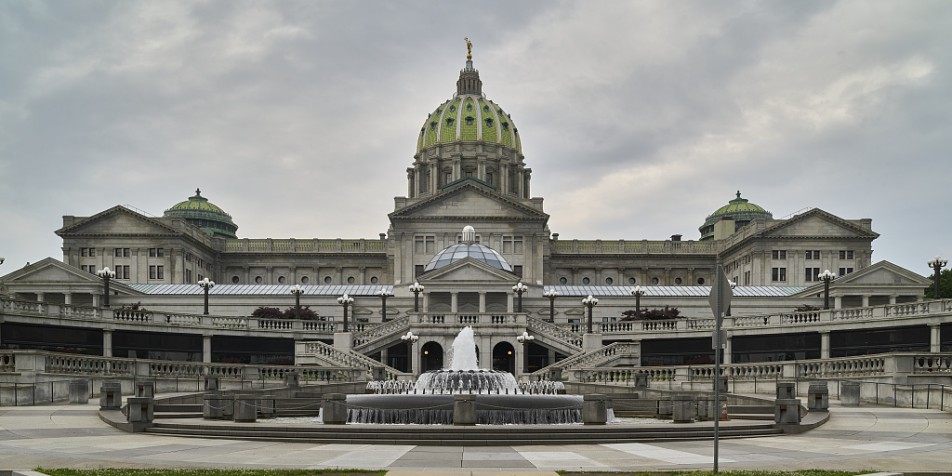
[(874, 438)]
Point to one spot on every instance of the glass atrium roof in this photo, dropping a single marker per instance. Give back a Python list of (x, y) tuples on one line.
[(468, 250), (674, 291), (263, 289)]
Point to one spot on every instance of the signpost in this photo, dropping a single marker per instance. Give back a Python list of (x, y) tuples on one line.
[(720, 300)]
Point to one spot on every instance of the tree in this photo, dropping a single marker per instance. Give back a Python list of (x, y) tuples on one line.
[(945, 285), (651, 314)]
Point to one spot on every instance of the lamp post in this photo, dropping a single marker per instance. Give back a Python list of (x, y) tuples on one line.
[(106, 274), (416, 288), (936, 264), (384, 294), (410, 338), (345, 301), (520, 289), (525, 339), (590, 302), (297, 290), (733, 284), (551, 294), (637, 292), (206, 284), (826, 276)]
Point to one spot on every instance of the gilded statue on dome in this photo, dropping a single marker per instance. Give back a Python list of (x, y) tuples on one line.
[(469, 48)]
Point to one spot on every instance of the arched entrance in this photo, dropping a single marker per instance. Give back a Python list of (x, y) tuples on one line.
[(431, 357), (504, 357)]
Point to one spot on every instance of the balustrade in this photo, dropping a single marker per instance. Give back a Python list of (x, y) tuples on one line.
[(134, 315), (78, 312)]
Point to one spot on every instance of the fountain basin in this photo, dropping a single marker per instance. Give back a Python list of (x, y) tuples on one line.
[(490, 409)]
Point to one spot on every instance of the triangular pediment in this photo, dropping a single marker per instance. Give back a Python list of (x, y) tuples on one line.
[(49, 270), (468, 201), (469, 270), (117, 220), (817, 223), (883, 273)]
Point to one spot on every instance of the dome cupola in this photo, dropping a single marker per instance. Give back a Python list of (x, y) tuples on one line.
[(198, 211), (740, 210)]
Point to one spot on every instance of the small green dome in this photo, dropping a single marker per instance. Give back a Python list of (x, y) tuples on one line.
[(198, 211), (739, 209)]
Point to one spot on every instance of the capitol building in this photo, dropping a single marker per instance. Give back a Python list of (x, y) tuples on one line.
[(468, 245)]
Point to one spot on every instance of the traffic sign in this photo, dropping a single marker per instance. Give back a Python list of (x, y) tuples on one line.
[(721, 294)]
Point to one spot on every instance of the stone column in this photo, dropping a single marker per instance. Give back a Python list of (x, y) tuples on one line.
[(837, 302), (509, 305), (96, 300), (935, 338), (68, 298), (107, 342), (728, 349), (40, 297), (206, 349), (865, 300), (482, 302), (454, 302), (825, 344)]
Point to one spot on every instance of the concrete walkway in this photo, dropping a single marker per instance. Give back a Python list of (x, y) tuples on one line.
[(863, 438)]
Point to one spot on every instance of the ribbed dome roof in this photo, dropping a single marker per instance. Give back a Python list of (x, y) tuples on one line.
[(468, 249), (739, 209), (198, 211)]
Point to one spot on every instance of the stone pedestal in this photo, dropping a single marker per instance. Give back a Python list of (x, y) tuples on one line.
[(850, 394), (110, 395), (786, 390), (683, 408), (641, 380), (723, 383), (595, 409), (708, 409), (246, 408), (145, 389), (787, 411), (140, 409), (464, 410), (344, 341), (292, 380), (79, 391), (818, 397), (335, 409), (267, 407), (211, 383), (212, 407), (591, 342)]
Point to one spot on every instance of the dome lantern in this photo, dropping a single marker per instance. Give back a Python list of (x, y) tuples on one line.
[(198, 211), (740, 210)]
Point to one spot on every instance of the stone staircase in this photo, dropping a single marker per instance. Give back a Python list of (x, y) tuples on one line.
[(380, 337), (553, 336), (603, 357)]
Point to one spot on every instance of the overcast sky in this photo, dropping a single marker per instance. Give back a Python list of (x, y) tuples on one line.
[(638, 119)]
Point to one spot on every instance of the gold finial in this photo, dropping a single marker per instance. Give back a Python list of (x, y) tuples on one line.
[(469, 48)]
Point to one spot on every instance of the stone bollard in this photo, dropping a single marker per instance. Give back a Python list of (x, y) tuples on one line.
[(464, 410), (292, 380), (683, 408), (705, 407), (665, 409), (850, 394), (79, 391), (212, 406), (267, 406), (145, 389), (211, 383), (641, 380), (818, 397), (334, 410), (786, 390), (595, 409), (110, 395), (140, 409), (787, 411), (246, 408)]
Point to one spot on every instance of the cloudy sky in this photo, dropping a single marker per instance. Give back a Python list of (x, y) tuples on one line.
[(638, 118)]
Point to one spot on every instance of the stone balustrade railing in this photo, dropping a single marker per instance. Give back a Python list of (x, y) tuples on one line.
[(573, 339), (329, 353), (593, 358), (471, 319), (587, 247), (373, 334)]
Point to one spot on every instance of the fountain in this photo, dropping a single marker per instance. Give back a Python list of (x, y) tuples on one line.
[(499, 398)]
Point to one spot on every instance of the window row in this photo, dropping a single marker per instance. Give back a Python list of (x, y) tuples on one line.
[(810, 254), (609, 281), (235, 279)]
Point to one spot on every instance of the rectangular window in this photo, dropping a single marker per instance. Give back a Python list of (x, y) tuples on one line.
[(813, 254), (188, 276), (845, 271), (511, 244), (83, 252), (778, 275), (122, 271), (156, 272), (201, 277), (156, 252), (746, 278), (517, 270), (122, 253), (846, 254), (424, 244), (418, 270), (811, 274), (779, 254)]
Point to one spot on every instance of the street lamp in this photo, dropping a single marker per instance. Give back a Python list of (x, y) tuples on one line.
[(384, 294), (410, 338), (520, 289), (732, 284), (937, 264), (525, 339), (826, 276), (106, 274), (551, 294), (416, 288), (297, 290), (206, 284), (345, 301), (637, 292), (590, 302)]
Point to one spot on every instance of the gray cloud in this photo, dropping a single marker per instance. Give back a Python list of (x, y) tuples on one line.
[(638, 118)]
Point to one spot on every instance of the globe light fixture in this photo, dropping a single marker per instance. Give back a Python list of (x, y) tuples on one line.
[(106, 274), (520, 289), (206, 284), (416, 288), (637, 292), (826, 276), (384, 294), (936, 264), (410, 338), (590, 302), (297, 290), (551, 294), (345, 301)]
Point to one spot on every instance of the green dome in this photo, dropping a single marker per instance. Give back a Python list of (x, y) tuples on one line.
[(198, 211), (739, 209), (469, 117)]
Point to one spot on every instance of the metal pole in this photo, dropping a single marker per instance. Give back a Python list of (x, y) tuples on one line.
[(206, 300), (589, 318)]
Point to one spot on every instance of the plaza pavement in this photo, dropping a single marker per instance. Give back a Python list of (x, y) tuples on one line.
[(860, 438)]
